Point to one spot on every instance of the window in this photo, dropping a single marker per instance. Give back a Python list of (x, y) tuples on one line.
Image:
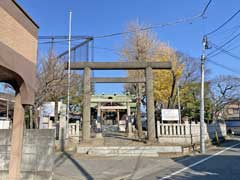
[(230, 111), (235, 111)]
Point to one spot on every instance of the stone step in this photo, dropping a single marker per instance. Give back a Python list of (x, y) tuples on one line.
[(129, 150)]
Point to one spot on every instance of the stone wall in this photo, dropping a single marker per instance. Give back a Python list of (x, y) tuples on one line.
[(37, 158)]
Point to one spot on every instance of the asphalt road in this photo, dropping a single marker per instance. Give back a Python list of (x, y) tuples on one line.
[(219, 163)]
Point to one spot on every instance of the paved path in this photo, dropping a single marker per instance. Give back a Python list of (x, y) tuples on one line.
[(219, 163)]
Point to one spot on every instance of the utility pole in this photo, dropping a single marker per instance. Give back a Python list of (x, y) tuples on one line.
[(69, 71), (202, 123)]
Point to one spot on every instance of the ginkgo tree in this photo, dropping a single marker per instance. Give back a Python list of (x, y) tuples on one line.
[(139, 46), (145, 46), (165, 81)]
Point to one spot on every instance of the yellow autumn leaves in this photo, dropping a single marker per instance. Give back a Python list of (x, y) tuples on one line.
[(145, 46)]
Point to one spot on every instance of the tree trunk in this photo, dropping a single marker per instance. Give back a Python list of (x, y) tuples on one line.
[(170, 99), (138, 107), (56, 111)]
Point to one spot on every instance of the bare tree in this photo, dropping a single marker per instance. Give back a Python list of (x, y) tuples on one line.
[(224, 89), (191, 71), (52, 81)]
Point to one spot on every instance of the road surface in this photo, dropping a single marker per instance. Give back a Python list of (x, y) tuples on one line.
[(219, 163)]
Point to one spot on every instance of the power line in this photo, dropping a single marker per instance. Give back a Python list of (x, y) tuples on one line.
[(222, 25), (234, 28), (231, 34), (225, 51), (179, 21), (223, 66), (237, 46), (226, 43)]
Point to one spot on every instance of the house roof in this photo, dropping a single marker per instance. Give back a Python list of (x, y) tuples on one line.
[(122, 99)]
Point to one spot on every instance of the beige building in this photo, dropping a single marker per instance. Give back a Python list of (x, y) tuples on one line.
[(231, 111), (18, 49), (18, 55)]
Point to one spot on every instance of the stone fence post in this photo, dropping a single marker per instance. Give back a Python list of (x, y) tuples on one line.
[(158, 128)]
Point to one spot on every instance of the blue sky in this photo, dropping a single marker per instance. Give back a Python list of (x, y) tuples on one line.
[(100, 17)]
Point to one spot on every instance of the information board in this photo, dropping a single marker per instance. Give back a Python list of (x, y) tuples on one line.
[(170, 115)]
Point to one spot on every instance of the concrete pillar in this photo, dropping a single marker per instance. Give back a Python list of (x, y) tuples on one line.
[(101, 120), (50, 124), (130, 134), (118, 116), (77, 128), (167, 129), (150, 104), (31, 116), (17, 139), (158, 128), (99, 112), (62, 127), (187, 128), (178, 130), (174, 129), (170, 130), (162, 129), (128, 112), (86, 103)]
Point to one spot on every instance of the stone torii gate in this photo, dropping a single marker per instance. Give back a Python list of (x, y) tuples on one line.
[(147, 66)]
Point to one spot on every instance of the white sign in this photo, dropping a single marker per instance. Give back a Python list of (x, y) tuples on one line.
[(48, 108), (5, 124), (170, 115)]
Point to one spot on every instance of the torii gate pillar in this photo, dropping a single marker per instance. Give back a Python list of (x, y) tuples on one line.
[(86, 103), (150, 104)]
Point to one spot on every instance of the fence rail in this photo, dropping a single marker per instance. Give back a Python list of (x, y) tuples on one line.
[(177, 129), (74, 129), (188, 132)]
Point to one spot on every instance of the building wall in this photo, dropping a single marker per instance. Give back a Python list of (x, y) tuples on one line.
[(16, 36), (232, 111), (37, 157), (18, 49)]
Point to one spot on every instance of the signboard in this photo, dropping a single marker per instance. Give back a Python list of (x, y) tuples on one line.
[(48, 108), (170, 115), (5, 124), (47, 111)]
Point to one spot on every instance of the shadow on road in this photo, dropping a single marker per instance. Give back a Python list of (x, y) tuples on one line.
[(223, 166), (67, 156)]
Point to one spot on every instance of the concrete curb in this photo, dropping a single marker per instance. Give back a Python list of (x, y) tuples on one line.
[(152, 151)]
